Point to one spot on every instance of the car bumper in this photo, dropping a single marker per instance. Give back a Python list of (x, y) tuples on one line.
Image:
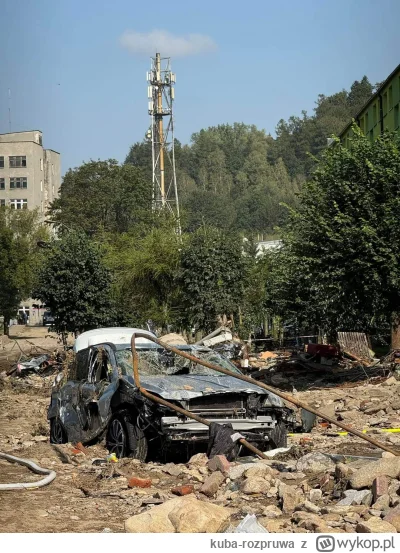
[(240, 425)]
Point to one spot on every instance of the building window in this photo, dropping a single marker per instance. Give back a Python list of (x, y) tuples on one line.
[(2, 184), (390, 97), (18, 182), (17, 161), (19, 204), (41, 164), (2, 203), (1, 162), (385, 103)]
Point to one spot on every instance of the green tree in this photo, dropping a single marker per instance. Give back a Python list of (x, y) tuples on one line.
[(103, 196), (75, 285), (212, 277), (342, 244), (19, 258), (145, 270)]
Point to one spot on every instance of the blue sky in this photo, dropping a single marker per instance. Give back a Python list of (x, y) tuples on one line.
[(70, 76)]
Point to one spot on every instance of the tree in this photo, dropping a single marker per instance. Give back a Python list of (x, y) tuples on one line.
[(342, 244), (145, 270), (19, 258), (116, 198), (75, 285), (212, 277)]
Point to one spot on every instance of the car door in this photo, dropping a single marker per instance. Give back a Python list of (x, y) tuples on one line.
[(97, 391)]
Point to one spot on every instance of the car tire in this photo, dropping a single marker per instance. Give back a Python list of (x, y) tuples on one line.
[(278, 436), (57, 432), (126, 439)]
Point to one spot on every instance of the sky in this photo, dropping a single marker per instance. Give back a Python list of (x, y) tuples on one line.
[(76, 69)]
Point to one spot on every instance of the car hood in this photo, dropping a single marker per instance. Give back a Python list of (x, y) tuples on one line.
[(186, 387)]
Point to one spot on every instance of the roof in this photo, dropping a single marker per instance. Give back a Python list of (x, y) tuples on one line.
[(19, 132), (114, 335), (375, 95)]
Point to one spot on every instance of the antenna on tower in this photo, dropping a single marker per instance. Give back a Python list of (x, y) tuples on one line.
[(9, 109), (161, 96)]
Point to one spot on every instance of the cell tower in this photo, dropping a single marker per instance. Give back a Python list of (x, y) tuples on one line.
[(161, 97)]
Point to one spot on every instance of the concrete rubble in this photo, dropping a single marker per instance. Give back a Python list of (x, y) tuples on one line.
[(326, 481)]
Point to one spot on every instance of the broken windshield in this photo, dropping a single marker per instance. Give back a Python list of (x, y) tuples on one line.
[(157, 362)]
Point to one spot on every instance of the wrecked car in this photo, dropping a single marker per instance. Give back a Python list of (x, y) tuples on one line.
[(100, 399)]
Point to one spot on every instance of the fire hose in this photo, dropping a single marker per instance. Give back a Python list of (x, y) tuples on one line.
[(287, 397), (34, 468)]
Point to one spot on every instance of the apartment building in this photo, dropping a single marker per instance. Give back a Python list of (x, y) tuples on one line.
[(30, 177)]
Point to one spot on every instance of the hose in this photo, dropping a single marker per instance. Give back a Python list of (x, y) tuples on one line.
[(34, 468)]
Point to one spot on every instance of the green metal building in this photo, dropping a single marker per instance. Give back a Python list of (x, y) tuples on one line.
[(381, 112)]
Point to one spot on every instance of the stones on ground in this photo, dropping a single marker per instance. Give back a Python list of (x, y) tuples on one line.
[(172, 469), (212, 484), (356, 497), (272, 511), (261, 470), (255, 484), (182, 514), (219, 462), (382, 503), (315, 462), (366, 474), (393, 517), (315, 495), (291, 498), (198, 460), (237, 471), (375, 525), (380, 486), (310, 507)]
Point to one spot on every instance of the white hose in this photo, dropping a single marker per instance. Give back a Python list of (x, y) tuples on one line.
[(33, 467)]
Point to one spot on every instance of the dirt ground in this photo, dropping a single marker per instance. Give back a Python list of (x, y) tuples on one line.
[(86, 497)]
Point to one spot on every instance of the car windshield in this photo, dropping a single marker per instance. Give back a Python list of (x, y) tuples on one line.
[(158, 362)]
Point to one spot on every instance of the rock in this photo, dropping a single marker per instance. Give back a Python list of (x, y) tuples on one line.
[(255, 484), (198, 460), (310, 521), (272, 492), (310, 507), (380, 486), (390, 381), (382, 502), (355, 497), (272, 511), (273, 525), (293, 475), (139, 482), (182, 514), (212, 484), (315, 462), (373, 409), (393, 517), (315, 495), (291, 498), (219, 462), (172, 469), (258, 469), (342, 471), (375, 525), (237, 471), (182, 490), (387, 455), (366, 474), (194, 516)]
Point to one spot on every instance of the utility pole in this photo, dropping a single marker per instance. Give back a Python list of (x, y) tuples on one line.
[(161, 96)]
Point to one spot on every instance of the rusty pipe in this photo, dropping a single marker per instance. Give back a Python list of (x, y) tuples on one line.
[(176, 408), (287, 397)]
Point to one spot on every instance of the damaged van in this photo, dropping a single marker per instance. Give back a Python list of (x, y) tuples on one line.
[(100, 399)]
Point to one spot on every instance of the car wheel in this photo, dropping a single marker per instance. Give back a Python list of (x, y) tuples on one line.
[(278, 436), (57, 432), (126, 439)]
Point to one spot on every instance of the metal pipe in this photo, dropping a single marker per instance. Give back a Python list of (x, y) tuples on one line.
[(176, 408), (284, 396), (33, 467)]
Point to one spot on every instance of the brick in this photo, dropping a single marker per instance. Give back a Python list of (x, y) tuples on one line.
[(380, 486), (139, 482), (219, 462), (183, 490)]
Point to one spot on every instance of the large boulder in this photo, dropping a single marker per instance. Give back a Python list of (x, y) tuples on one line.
[(366, 474), (180, 515)]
